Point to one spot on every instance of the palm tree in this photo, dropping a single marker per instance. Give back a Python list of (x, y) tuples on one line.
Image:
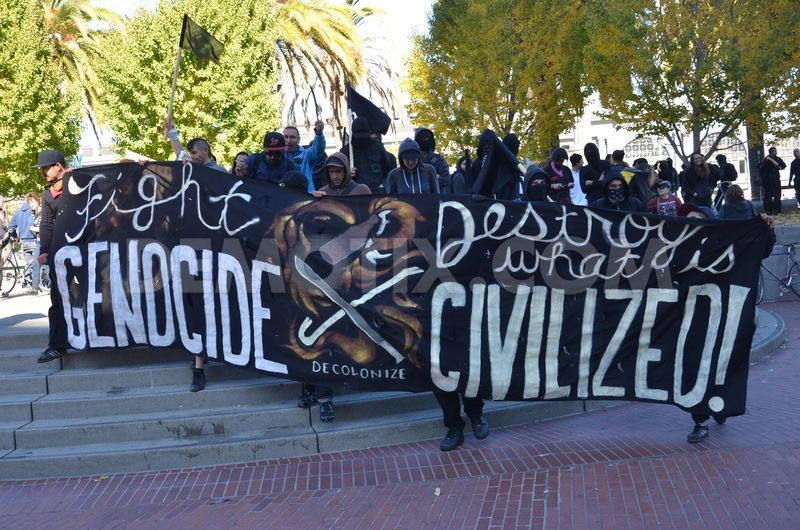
[(319, 49), (73, 27)]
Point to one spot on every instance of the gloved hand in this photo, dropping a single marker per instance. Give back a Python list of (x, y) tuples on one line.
[(477, 197)]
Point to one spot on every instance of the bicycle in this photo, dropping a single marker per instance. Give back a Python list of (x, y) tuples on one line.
[(9, 269), (789, 282)]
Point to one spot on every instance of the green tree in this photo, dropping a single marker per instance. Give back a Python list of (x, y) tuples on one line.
[(73, 27), (36, 111), (509, 65), (231, 104), (685, 69)]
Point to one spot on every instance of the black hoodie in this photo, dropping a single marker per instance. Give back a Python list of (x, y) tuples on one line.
[(495, 173), (593, 170), (534, 172), (628, 204), (459, 181)]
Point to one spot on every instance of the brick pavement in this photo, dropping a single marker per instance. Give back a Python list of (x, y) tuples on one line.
[(623, 467)]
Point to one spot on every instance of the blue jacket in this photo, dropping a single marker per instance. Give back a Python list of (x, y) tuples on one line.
[(258, 168), (307, 157), (23, 221)]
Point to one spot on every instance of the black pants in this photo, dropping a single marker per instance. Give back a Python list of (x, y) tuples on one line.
[(55, 316), (772, 199), (451, 408), (322, 393)]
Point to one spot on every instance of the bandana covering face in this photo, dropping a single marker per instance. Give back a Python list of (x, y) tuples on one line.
[(616, 195), (537, 192)]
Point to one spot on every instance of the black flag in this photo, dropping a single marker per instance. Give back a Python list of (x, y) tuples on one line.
[(201, 42), (363, 108)]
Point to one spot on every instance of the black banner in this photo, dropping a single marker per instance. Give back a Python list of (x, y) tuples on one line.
[(503, 300)]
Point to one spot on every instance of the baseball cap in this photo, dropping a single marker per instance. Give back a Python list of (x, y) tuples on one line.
[(50, 157), (274, 141), (664, 184)]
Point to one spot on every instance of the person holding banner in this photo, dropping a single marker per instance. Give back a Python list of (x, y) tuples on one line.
[(272, 163), (197, 150), (52, 165)]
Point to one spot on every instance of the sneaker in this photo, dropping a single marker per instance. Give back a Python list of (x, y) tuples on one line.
[(326, 412), (453, 438), (699, 433), (50, 354), (480, 428), (198, 380), (307, 399)]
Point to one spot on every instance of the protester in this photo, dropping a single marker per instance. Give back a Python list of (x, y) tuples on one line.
[(536, 184), (21, 223), (272, 163), (736, 206), (794, 173), (413, 175), (641, 180), (459, 180), (560, 176), (770, 170), (617, 196), (728, 174), (495, 173), (512, 142), (665, 170), (239, 167), (52, 165), (427, 145), (576, 194), (698, 180), (666, 203), (305, 158), (338, 177), (197, 150), (371, 161), (592, 173), (295, 180)]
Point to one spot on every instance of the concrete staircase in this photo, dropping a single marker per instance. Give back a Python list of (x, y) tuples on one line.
[(121, 411)]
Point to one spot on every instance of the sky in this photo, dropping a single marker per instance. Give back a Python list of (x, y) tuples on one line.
[(401, 21)]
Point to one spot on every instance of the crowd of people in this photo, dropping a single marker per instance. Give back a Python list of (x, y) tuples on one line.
[(364, 166), (23, 228)]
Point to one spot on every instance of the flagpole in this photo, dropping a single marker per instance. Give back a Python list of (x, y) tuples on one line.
[(174, 82), (350, 128)]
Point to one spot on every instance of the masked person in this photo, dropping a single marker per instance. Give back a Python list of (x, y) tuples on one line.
[(272, 163), (370, 159), (617, 196), (537, 184), (495, 173), (427, 145), (591, 174), (459, 180), (413, 175)]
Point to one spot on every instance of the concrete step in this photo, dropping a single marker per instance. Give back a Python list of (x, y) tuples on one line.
[(274, 418), (22, 383), (117, 378), (106, 458), (25, 339), (348, 433), (7, 429), (123, 401), (17, 407), (24, 360)]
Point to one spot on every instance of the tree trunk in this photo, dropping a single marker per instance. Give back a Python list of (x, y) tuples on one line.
[(755, 154)]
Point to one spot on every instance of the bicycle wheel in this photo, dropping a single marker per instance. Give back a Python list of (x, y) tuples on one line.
[(760, 287), (8, 277), (794, 279)]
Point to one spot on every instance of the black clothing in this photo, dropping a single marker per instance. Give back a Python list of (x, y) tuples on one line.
[(372, 163), (640, 186), (737, 210), (561, 196), (628, 204), (771, 181), (51, 206), (442, 169), (459, 181), (532, 192), (693, 183), (451, 408), (729, 173), (593, 170), (794, 173), (495, 173)]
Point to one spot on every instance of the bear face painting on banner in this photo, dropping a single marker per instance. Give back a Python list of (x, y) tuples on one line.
[(502, 300)]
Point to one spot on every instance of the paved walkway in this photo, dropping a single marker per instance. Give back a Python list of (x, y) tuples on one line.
[(624, 467)]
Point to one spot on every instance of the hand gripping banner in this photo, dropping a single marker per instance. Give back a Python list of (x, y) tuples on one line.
[(503, 300)]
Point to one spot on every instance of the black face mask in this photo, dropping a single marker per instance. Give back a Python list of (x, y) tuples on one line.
[(425, 145), (616, 195), (537, 192)]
